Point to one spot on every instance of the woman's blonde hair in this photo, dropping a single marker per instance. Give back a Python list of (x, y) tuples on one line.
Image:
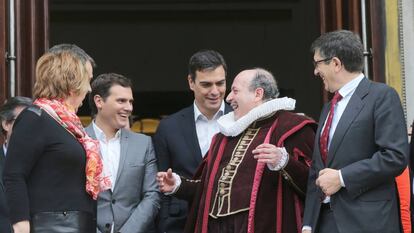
[(59, 74)]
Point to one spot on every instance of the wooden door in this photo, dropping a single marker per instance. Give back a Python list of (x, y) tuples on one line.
[(32, 40), (346, 14)]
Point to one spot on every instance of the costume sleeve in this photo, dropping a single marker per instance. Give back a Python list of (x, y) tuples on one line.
[(25, 148), (189, 187), (390, 135), (161, 147), (145, 213), (300, 147)]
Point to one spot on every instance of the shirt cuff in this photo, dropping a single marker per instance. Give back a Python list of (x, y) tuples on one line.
[(177, 184), (282, 162), (341, 179), (307, 228)]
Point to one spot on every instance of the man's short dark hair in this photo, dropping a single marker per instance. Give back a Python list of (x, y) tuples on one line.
[(7, 109), (343, 44), (205, 60), (101, 85), (74, 49)]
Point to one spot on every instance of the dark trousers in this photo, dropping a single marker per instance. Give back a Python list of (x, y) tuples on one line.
[(326, 221)]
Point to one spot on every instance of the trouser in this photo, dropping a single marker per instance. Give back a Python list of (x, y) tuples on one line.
[(326, 221)]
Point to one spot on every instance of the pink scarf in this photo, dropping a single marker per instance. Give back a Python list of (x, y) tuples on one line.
[(96, 181)]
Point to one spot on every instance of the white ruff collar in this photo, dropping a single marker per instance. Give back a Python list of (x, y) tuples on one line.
[(229, 127)]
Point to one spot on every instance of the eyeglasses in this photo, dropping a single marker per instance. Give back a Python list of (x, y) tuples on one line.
[(316, 63)]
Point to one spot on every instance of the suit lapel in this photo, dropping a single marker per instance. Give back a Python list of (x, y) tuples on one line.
[(190, 133), (89, 130), (322, 119), (124, 146), (2, 158), (123, 154), (187, 124), (354, 107)]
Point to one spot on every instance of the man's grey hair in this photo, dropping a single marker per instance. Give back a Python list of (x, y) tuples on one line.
[(75, 50), (265, 80)]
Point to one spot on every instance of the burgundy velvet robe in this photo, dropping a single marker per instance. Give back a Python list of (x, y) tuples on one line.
[(274, 199)]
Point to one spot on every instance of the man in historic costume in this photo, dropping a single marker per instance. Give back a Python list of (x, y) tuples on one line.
[(257, 166)]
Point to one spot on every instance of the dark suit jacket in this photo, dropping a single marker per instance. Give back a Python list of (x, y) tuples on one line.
[(411, 176), (4, 212), (370, 148), (176, 146)]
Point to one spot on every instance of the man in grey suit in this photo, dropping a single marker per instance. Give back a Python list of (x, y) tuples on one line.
[(182, 139), (128, 158), (360, 146)]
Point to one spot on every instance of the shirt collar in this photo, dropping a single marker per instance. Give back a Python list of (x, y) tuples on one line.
[(100, 135), (349, 88), (198, 114)]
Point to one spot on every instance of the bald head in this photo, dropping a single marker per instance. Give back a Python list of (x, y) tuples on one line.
[(251, 88)]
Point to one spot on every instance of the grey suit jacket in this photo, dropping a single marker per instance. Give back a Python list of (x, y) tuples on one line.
[(370, 148), (134, 202)]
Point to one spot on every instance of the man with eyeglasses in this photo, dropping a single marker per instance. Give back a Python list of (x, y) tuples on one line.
[(360, 145), (8, 113)]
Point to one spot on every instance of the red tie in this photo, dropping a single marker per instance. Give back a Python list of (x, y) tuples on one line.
[(323, 143)]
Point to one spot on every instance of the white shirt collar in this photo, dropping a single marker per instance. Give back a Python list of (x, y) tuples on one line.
[(198, 114), (348, 88), (229, 127), (100, 135)]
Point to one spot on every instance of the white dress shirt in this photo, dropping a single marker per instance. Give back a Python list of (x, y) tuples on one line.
[(206, 128), (110, 152)]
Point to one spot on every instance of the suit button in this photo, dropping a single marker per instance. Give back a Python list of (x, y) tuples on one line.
[(113, 201), (107, 225)]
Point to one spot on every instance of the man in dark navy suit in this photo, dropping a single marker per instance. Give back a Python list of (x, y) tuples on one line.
[(360, 145), (8, 113), (182, 139)]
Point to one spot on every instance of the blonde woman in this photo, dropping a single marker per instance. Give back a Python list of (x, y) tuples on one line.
[(53, 169)]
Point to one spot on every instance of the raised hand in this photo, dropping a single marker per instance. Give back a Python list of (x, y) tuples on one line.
[(166, 181)]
